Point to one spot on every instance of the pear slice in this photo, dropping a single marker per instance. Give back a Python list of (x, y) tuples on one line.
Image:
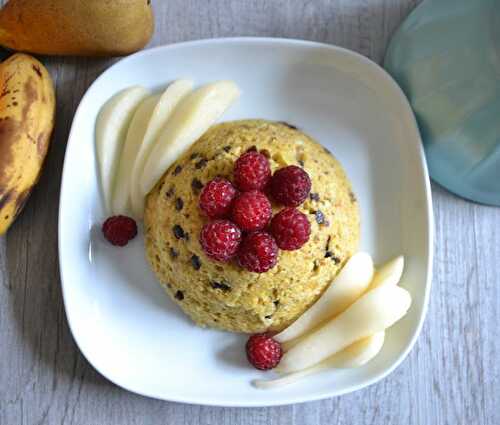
[(170, 98), (120, 203), (346, 288), (389, 274), (357, 354), (111, 129), (193, 116), (373, 312)]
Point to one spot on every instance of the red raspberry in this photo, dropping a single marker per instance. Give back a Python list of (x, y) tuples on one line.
[(251, 211), (290, 186), (251, 171), (258, 252), (220, 240), (216, 198), (119, 229), (263, 352), (290, 228)]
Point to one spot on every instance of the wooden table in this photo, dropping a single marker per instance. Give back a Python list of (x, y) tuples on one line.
[(452, 376)]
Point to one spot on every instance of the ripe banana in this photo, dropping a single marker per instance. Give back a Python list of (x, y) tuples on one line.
[(27, 108)]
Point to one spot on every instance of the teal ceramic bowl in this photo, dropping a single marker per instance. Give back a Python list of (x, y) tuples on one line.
[(446, 58)]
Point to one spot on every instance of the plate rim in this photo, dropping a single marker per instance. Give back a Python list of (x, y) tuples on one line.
[(284, 42)]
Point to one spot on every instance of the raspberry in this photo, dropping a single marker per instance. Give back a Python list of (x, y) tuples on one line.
[(251, 171), (290, 228), (220, 240), (263, 352), (258, 252), (290, 186), (251, 211), (216, 198), (119, 229)]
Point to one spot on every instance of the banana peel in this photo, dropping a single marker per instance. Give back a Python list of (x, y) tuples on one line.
[(27, 111)]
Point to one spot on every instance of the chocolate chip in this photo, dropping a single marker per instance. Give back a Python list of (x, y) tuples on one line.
[(227, 148), (196, 185), (329, 254), (276, 303), (173, 253), (179, 295), (266, 153), (327, 151), (301, 163), (289, 125), (201, 164), (352, 196), (195, 262), (220, 285), (179, 204), (314, 196), (177, 170), (170, 192), (269, 316), (320, 218), (179, 232), (194, 155), (252, 149)]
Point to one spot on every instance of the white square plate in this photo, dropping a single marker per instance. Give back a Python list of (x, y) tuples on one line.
[(122, 321)]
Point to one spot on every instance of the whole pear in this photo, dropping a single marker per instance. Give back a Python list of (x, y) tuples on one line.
[(76, 27)]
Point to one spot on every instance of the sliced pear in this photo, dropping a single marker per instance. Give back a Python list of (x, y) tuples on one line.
[(120, 203), (289, 378), (357, 354), (347, 287), (373, 312), (170, 98), (389, 274), (194, 115), (111, 129)]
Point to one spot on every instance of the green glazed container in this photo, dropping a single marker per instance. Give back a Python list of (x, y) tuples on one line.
[(446, 58)]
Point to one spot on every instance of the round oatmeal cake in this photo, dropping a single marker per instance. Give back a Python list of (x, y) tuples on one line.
[(224, 295)]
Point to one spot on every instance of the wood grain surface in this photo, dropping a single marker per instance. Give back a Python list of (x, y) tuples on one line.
[(452, 376)]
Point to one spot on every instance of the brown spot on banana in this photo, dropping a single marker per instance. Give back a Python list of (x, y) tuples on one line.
[(36, 68), (21, 200), (9, 130), (6, 198), (31, 96), (42, 144)]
